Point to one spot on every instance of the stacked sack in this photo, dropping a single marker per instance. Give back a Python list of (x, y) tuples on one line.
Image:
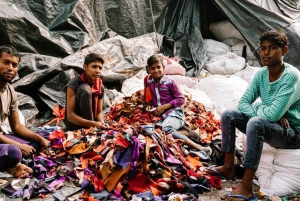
[(278, 173), (230, 54)]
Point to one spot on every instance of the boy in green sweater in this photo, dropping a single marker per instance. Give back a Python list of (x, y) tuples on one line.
[(275, 120)]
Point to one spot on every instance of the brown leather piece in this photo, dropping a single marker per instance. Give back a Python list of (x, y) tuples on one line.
[(115, 177), (79, 148)]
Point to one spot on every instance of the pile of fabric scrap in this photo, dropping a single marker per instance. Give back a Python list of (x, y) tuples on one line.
[(123, 160)]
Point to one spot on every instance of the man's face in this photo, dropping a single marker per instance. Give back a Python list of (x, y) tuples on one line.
[(271, 54), (93, 71), (8, 67)]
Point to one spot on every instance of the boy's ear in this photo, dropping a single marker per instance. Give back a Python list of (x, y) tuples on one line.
[(84, 66), (285, 50)]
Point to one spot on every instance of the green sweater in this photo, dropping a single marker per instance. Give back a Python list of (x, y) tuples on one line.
[(280, 98)]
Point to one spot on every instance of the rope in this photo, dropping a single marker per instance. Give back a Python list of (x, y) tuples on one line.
[(154, 28)]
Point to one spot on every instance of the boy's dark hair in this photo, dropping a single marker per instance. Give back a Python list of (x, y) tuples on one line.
[(92, 57), (9, 50), (276, 36), (153, 59)]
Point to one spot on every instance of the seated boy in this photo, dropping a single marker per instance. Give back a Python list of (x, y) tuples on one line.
[(84, 97)]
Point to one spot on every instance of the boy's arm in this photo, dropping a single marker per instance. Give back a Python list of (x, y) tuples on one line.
[(249, 96), (100, 110), (288, 93), (72, 116), (178, 98)]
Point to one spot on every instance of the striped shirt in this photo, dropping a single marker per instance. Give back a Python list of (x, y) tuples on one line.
[(280, 98)]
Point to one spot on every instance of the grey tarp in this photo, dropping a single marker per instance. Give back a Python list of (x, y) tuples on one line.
[(54, 36)]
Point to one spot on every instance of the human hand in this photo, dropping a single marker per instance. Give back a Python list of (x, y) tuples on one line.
[(27, 150), (159, 110), (100, 125), (45, 143), (284, 122)]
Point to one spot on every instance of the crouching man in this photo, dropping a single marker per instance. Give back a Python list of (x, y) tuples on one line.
[(23, 142)]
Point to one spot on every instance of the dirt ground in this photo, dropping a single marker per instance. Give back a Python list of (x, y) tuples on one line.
[(214, 195)]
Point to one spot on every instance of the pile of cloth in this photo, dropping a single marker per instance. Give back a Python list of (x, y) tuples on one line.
[(123, 160)]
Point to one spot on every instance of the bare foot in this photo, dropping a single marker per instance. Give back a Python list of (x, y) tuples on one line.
[(237, 194), (20, 171), (229, 173)]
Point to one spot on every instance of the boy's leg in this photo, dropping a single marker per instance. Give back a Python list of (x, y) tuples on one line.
[(10, 158), (35, 145), (84, 101), (230, 120), (260, 130), (170, 126)]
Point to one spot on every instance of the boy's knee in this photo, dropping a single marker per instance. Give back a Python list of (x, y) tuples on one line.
[(84, 89), (228, 113), (167, 129), (255, 121), (14, 154)]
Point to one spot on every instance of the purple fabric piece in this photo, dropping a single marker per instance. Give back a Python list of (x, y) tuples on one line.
[(157, 198), (118, 194), (112, 197), (18, 193), (123, 158), (146, 195), (85, 184), (88, 171), (31, 188), (56, 182), (41, 170), (58, 142), (35, 145), (136, 152), (44, 161), (168, 92), (10, 156)]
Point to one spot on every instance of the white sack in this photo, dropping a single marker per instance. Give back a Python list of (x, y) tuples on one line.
[(232, 41), (238, 49), (186, 81), (198, 96), (132, 85), (172, 67), (278, 171), (226, 64), (224, 91), (240, 73), (249, 73), (224, 29), (254, 63), (214, 48)]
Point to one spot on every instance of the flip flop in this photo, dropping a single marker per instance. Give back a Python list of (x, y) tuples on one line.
[(218, 174), (253, 198), (290, 197)]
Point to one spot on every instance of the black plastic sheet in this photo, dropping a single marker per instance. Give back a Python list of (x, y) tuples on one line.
[(27, 106), (52, 92), (54, 28)]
